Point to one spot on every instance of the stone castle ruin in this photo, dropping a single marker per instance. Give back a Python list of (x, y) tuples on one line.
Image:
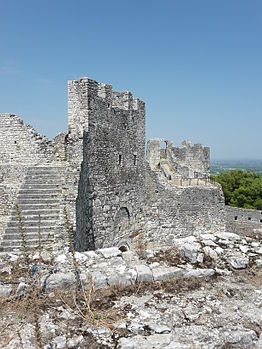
[(114, 190)]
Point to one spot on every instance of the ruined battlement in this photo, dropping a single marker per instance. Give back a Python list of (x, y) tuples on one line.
[(186, 162), (86, 96)]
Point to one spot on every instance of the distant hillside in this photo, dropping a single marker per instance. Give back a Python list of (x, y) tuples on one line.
[(218, 166)]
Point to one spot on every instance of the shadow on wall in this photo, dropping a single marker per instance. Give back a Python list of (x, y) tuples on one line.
[(122, 221)]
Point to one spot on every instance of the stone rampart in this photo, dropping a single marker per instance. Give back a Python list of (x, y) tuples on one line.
[(243, 221), (178, 211)]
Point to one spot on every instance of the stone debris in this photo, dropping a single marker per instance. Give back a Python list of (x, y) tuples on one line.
[(208, 296)]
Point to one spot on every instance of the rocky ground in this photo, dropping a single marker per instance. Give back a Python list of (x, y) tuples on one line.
[(204, 292)]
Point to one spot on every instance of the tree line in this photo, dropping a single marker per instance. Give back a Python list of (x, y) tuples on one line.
[(241, 188)]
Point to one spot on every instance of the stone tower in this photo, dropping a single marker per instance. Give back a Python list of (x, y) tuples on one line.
[(111, 185)]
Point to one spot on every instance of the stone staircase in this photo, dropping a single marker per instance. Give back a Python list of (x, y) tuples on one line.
[(38, 195)]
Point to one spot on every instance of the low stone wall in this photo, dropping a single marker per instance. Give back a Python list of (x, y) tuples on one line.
[(178, 211), (243, 221)]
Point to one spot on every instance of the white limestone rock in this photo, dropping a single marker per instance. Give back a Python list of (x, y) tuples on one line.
[(199, 273), (200, 258), (109, 252), (21, 289), (5, 290), (239, 262), (242, 339), (228, 236), (99, 279), (158, 328), (243, 248), (189, 248), (209, 252), (144, 273), (119, 280), (91, 254), (164, 273), (207, 237), (60, 280), (209, 243), (130, 257)]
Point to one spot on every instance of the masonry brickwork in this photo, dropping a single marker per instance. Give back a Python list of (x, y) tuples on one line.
[(112, 191), (112, 184), (243, 221)]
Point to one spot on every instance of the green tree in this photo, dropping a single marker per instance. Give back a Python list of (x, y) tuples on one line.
[(241, 188)]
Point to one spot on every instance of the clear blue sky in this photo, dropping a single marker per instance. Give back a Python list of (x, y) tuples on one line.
[(196, 63)]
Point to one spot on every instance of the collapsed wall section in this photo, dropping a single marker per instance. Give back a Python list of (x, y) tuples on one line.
[(20, 143), (111, 186)]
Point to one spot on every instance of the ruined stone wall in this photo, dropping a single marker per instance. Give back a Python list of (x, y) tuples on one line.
[(177, 212), (111, 187), (20, 146), (20, 143), (189, 161), (243, 221)]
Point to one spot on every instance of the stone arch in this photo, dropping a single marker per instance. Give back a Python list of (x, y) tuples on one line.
[(124, 245), (122, 221)]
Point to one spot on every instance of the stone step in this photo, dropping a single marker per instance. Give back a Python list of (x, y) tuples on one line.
[(33, 196), (39, 194), (29, 236), (34, 223), (35, 217), (43, 171), (37, 186), (37, 201), (42, 180), (37, 206), (39, 191), (42, 212), (13, 248), (18, 243), (10, 230)]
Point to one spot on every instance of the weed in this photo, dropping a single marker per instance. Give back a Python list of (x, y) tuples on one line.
[(22, 236), (39, 238)]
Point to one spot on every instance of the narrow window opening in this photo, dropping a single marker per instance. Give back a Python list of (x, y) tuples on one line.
[(249, 218), (135, 159), (15, 142), (108, 105), (260, 220), (235, 218), (120, 160)]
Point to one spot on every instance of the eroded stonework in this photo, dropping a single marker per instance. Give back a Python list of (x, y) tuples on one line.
[(113, 193)]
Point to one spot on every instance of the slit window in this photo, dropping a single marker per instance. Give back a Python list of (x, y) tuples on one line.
[(235, 218), (260, 220), (135, 159), (120, 160), (249, 218)]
